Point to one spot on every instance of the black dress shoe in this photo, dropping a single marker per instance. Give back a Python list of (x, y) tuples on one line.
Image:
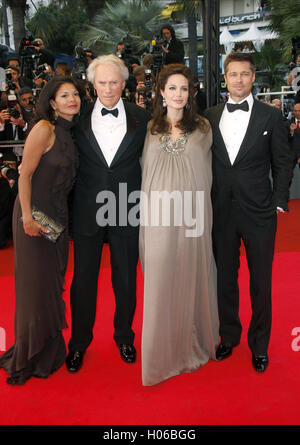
[(74, 361), (260, 362), (224, 350), (128, 353)]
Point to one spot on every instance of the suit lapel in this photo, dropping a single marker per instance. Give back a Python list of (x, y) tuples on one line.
[(219, 147), (128, 138), (87, 127), (256, 124), (130, 133)]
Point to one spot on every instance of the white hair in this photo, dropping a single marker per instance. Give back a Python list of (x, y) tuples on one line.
[(109, 59)]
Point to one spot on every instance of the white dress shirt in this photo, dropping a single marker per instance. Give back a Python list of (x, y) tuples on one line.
[(233, 127), (109, 130)]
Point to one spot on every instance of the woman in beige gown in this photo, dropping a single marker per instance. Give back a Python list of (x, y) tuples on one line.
[(180, 320)]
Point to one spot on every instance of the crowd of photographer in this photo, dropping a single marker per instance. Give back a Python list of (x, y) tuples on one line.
[(29, 70), (26, 73)]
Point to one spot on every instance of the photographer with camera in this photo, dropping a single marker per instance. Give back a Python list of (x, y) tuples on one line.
[(12, 124), (42, 75), (293, 75), (12, 78), (27, 103), (172, 47), (8, 192), (35, 63), (45, 55), (124, 52), (82, 59), (14, 81), (145, 87)]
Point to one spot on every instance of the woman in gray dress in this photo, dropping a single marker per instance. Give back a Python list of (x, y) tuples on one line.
[(47, 174), (180, 320)]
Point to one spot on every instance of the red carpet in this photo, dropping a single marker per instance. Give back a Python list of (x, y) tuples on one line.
[(108, 392)]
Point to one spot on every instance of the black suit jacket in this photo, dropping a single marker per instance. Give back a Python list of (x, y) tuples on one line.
[(8, 133), (94, 175), (176, 52), (296, 145), (265, 147), (294, 141)]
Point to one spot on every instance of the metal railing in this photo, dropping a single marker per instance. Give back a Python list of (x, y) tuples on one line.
[(277, 93)]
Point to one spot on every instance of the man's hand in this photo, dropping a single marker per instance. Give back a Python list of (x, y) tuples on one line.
[(19, 121), (39, 82), (4, 116), (11, 182), (293, 127)]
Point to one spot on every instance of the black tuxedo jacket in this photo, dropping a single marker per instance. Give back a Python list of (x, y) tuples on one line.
[(94, 175), (8, 133), (265, 147), (296, 145), (176, 52)]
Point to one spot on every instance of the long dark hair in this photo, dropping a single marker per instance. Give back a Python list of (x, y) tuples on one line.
[(170, 28), (44, 109), (190, 119)]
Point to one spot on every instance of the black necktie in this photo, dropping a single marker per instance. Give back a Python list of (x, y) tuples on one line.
[(243, 106), (114, 112)]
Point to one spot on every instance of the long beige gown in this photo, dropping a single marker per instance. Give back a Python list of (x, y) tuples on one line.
[(180, 319)]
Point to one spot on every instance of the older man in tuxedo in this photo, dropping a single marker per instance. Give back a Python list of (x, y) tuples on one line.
[(110, 138), (250, 139)]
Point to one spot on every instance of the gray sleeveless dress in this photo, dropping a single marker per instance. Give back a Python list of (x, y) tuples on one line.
[(180, 318), (40, 267)]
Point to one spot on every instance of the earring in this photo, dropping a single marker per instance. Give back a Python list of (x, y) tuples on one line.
[(164, 102), (55, 114)]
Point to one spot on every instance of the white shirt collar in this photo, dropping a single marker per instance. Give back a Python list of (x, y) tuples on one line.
[(249, 99), (119, 105)]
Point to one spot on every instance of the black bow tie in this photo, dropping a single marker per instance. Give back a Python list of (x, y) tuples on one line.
[(114, 112), (243, 106)]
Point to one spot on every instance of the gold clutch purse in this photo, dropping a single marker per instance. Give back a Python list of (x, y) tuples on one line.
[(55, 229)]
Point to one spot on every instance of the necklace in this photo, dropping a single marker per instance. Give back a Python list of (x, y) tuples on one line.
[(173, 147)]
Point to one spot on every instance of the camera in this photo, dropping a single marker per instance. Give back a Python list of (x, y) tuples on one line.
[(29, 57), (81, 56), (40, 72), (13, 112), (7, 171), (146, 92), (8, 77), (27, 46), (127, 56), (157, 53)]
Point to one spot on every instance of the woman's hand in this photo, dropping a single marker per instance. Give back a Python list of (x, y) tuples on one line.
[(33, 228)]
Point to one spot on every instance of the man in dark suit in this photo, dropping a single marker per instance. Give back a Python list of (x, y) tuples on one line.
[(296, 147), (12, 127), (294, 128), (173, 49), (250, 138), (110, 137)]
